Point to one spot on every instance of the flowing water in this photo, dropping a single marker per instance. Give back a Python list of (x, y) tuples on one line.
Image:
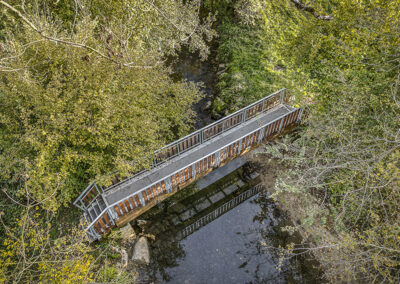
[(191, 68)]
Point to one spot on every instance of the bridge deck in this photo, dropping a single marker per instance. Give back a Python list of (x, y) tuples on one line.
[(191, 156)]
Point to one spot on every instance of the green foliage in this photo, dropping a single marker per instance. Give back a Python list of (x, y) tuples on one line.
[(346, 70), (28, 254), (246, 77), (83, 94), (221, 7), (84, 91), (112, 274)]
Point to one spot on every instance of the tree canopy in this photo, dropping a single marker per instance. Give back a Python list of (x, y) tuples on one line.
[(85, 90), (346, 69)]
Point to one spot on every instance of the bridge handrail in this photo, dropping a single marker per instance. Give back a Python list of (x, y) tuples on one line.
[(158, 181), (78, 200), (199, 131), (126, 180), (221, 120)]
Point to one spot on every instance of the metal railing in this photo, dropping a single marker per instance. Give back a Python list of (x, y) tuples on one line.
[(218, 127), (212, 130), (86, 198), (278, 121), (220, 210)]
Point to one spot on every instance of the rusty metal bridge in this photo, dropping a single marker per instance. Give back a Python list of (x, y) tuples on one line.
[(185, 160)]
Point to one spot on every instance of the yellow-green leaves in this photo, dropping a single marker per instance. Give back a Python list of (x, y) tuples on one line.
[(75, 106), (350, 65), (30, 253)]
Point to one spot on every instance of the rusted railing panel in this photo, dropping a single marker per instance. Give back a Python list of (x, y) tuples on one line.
[(148, 194), (113, 212)]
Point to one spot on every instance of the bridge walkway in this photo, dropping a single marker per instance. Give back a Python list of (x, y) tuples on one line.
[(185, 160), (159, 173)]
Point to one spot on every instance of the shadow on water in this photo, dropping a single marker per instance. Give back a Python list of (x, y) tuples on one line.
[(240, 246)]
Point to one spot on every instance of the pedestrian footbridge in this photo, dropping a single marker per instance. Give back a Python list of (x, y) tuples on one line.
[(185, 160)]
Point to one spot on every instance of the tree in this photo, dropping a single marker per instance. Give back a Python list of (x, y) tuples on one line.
[(30, 253), (84, 89), (347, 70)]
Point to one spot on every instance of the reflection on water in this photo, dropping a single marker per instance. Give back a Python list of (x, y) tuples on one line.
[(230, 249), (227, 251)]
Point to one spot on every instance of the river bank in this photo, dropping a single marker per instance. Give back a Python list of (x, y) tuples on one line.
[(304, 218)]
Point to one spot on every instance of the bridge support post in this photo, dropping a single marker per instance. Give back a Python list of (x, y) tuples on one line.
[(280, 125), (240, 146), (142, 201), (92, 232), (261, 136), (193, 171), (97, 189), (168, 184), (282, 96), (110, 212), (218, 158), (82, 206), (300, 115)]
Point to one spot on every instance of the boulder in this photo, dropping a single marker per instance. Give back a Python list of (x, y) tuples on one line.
[(141, 251), (141, 222), (207, 105), (128, 235)]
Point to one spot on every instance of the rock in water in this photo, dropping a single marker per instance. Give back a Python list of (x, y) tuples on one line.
[(141, 222), (141, 251)]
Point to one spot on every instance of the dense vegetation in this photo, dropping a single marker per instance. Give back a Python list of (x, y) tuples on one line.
[(246, 77), (85, 90), (342, 58)]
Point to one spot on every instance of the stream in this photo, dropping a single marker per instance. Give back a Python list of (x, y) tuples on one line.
[(220, 230)]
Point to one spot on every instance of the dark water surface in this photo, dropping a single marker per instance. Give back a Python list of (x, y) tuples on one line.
[(241, 246), (191, 68), (230, 250)]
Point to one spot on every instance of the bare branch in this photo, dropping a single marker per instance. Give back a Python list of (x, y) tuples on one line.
[(71, 43)]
